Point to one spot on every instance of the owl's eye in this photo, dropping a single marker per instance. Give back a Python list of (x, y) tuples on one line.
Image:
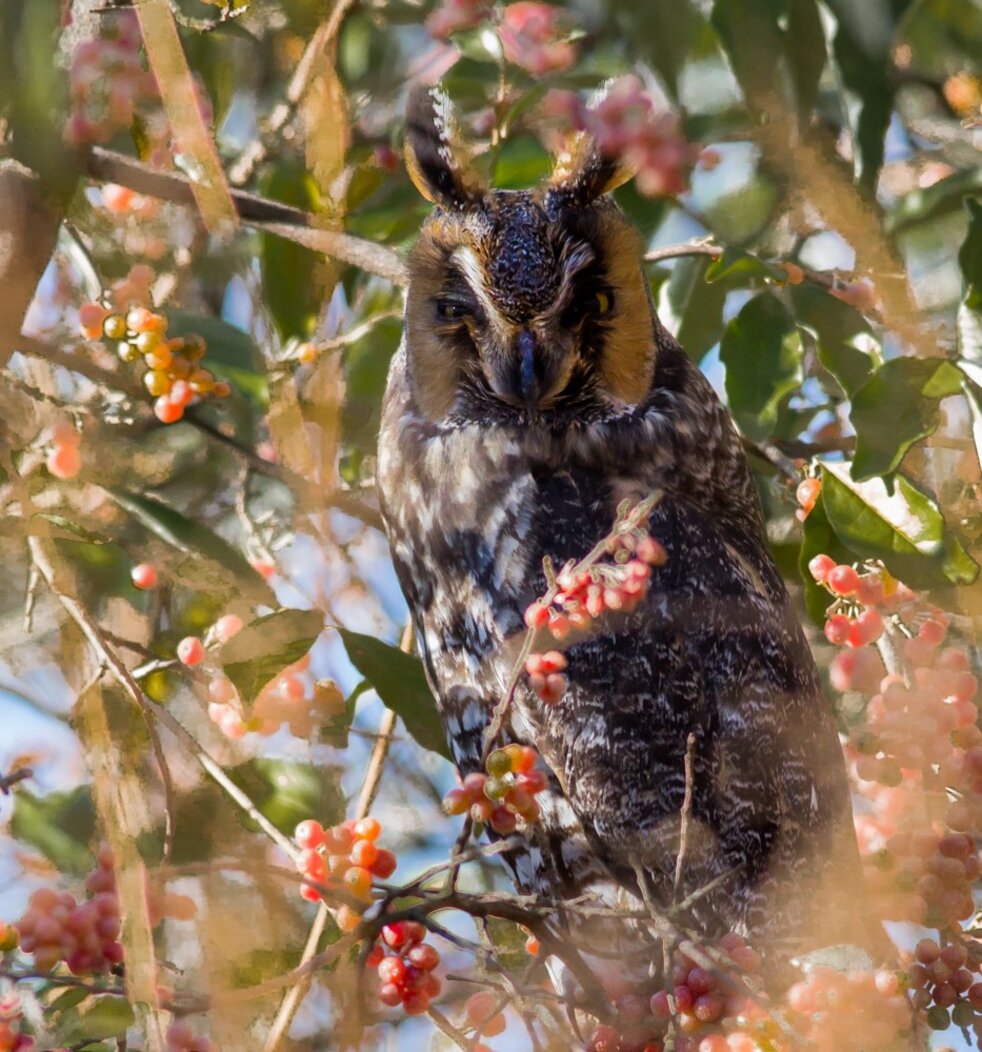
[(593, 304), (601, 303), (452, 310)]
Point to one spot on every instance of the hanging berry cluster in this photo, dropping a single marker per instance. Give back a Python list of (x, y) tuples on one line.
[(173, 375), (947, 982), (342, 858), (405, 966), (614, 576), (505, 794)]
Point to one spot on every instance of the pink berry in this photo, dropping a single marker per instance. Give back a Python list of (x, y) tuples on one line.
[(820, 566), (64, 461), (227, 626)]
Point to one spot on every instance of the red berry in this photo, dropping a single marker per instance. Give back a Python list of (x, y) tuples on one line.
[(364, 853), (167, 411), (384, 865), (190, 651), (837, 629), (415, 1003), (64, 461), (144, 575), (424, 957), (227, 626), (309, 834), (392, 970), (604, 1039), (843, 580), (367, 829), (390, 994), (820, 566), (807, 493), (537, 616)]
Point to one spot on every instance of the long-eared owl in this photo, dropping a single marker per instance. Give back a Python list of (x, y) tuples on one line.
[(534, 391)]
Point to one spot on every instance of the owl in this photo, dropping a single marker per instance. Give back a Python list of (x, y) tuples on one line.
[(534, 391)]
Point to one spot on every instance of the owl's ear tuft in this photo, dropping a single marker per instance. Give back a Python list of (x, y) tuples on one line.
[(583, 172), (436, 158)]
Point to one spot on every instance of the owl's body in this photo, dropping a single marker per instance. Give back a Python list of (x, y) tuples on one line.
[(477, 488)]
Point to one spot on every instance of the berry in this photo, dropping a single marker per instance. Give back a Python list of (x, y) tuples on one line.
[(309, 834), (842, 580), (227, 626), (190, 651), (144, 575), (482, 1014), (64, 461), (820, 566)]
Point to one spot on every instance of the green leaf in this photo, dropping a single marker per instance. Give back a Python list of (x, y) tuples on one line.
[(287, 791), (289, 270), (691, 308), (896, 407), (266, 646), (761, 349), (862, 51), (970, 255), (930, 202), (95, 1019), (399, 681), (837, 327), (905, 529), (211, 564), (744, 267), (807, 54), (754, 44), (59, 825), (65, 529)]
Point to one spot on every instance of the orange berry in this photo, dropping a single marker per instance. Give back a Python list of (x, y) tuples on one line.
[(364, 853), (309, 834), (358, 882), (166, 411), (144, 575), (201, 381), (532, 946), (64, 461), (306, 354), (157, 382), (221, 389), (114, 327), (263, 567), (367, 829), (181, 393), (140, 319), (482, 1015)]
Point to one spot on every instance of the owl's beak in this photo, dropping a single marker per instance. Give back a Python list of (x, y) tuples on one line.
[(528, 379)]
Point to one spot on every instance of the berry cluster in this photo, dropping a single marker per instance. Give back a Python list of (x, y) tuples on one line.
[(107, 82), (535, 37), (82, 934), (173, 376), (406, 972), (925, 877), (64, 459), (505, 794), (827, 1003), (945, 981), (181, 1038), (626, 123), (344, 858), (586, 590)]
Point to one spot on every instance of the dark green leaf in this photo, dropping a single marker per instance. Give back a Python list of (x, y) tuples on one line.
[(289, 270), (836, 327), (807, 54), (264, 647), (287, 791), (861, 46), (59, 825), (399, 681), (935, 200), (212, 562), (761, 350), (896, 407), (904, 529), (970, 255)]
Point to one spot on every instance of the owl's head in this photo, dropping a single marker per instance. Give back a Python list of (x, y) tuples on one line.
[(522, 303)]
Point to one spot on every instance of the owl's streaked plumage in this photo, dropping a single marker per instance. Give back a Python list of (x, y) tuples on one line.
[(534, 391)]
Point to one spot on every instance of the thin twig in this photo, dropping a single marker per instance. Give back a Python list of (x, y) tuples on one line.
[(686, 817), (8, 781)]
